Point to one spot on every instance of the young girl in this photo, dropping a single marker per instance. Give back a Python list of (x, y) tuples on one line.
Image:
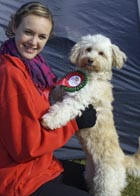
[(27, 164)]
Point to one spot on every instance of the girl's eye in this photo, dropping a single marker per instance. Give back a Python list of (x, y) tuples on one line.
[(42, 37), (28, 32)]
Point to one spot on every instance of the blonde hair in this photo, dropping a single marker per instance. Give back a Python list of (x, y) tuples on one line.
[(35, 8)]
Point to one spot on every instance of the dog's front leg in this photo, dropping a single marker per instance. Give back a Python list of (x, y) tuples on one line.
[(69, 108), (62, 112)]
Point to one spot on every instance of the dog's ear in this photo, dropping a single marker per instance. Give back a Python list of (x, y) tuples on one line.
[(119, 57), (74, 54)]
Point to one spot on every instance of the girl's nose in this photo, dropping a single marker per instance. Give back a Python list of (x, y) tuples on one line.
[(34, 40)]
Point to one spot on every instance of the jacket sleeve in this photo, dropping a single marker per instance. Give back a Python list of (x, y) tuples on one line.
[(20, 130)]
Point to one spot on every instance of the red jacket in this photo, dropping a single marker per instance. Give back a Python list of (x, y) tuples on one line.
[(26, 148)]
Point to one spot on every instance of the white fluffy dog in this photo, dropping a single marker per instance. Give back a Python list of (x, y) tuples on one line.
[(106, 165)]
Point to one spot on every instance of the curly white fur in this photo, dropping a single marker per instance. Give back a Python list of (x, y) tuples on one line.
[(106, 165)]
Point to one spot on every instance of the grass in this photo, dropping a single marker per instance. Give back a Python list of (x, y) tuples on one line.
[(133, 187)]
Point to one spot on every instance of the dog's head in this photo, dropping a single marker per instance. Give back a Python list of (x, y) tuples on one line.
[(96, 53)]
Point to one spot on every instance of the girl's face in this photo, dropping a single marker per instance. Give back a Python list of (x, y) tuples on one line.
[(31, 35)]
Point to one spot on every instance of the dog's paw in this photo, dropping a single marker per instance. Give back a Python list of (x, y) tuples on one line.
[(51, 121), (46, 122)]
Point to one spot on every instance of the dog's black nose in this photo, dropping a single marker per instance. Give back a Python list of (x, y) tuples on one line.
[(90, 61)]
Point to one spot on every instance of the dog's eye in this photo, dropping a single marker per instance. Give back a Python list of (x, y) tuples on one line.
[(89, 49), (101, 53)]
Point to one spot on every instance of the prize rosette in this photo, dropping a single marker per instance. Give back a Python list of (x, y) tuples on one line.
[(73, 81)]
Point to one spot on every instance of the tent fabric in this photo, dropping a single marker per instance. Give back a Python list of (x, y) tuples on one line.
[(118, 20)]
